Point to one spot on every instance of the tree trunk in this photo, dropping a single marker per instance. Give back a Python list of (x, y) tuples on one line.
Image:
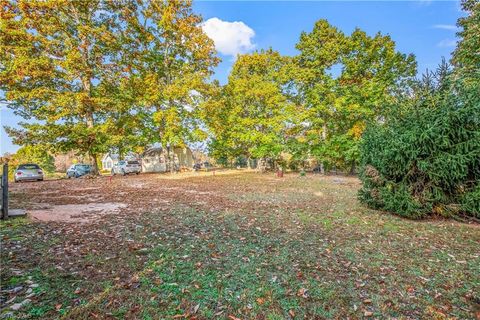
[(120, 153), (324, 137), (171, 162), (171, 104), (90, 121), (93, 161), (91, 154), (262, 166), (352, 168)]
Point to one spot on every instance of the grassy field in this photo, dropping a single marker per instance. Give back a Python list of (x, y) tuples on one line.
[(231, 246)]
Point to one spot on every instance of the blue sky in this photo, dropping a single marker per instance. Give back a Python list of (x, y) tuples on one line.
[(424, 28)]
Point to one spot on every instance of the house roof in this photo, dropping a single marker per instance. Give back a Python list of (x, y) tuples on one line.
[(116, 157), (152, 151), (112, 156), (156, 150)]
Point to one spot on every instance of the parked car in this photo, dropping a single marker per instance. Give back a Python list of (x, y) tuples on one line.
[(78, 170), (202, 165), (28, 172), (125, 167), (207, 164), (197, 166), (317, 169)]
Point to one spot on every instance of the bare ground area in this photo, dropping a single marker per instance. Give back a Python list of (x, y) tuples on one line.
[(229, 245)]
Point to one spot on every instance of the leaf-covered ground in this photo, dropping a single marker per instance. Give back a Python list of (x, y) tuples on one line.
[(232, 246)]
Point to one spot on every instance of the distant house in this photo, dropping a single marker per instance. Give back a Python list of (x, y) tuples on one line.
[(110, 159), (156, 159)]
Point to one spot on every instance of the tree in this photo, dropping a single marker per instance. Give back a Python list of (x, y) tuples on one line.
[(345, 81), (129, 124), (466, 57), (55, 57), (30, 154), (254, 114), (426, 159), (97, 75), (216, 115), (36, 154), (174, 63)]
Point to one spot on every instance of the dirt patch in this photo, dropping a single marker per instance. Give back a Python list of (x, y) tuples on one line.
[(138, 185), (87, 197), (82, 213)]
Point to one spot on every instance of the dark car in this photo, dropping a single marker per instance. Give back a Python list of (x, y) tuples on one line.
[(207, 164), (197, 166), (78, 170), (317, 169)]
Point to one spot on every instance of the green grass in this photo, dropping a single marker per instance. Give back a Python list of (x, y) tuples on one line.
[(265, 253)]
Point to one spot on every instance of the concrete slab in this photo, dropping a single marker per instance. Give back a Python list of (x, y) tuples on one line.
[(16, 213)]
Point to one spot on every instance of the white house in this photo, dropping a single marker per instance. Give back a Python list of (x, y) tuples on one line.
[(156, 159), (110, 159)]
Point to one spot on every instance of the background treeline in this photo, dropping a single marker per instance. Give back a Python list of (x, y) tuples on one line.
[(101, 75), (311, 106)]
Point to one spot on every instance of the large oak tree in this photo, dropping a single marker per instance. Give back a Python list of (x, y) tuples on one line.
[(55, 57), (174, 61), (254, 112), (343, 82), (94, 75)]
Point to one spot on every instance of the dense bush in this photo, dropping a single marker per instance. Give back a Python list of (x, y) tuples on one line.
[(426, 160)]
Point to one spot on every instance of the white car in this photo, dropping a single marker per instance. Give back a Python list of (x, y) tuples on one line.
[(28, 172), (125, 167)]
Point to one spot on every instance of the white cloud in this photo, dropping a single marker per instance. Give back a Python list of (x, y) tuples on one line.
[(447, 43), (231, 38), (446, 27)]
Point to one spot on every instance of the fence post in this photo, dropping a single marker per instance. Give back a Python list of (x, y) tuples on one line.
[(5, 191)]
